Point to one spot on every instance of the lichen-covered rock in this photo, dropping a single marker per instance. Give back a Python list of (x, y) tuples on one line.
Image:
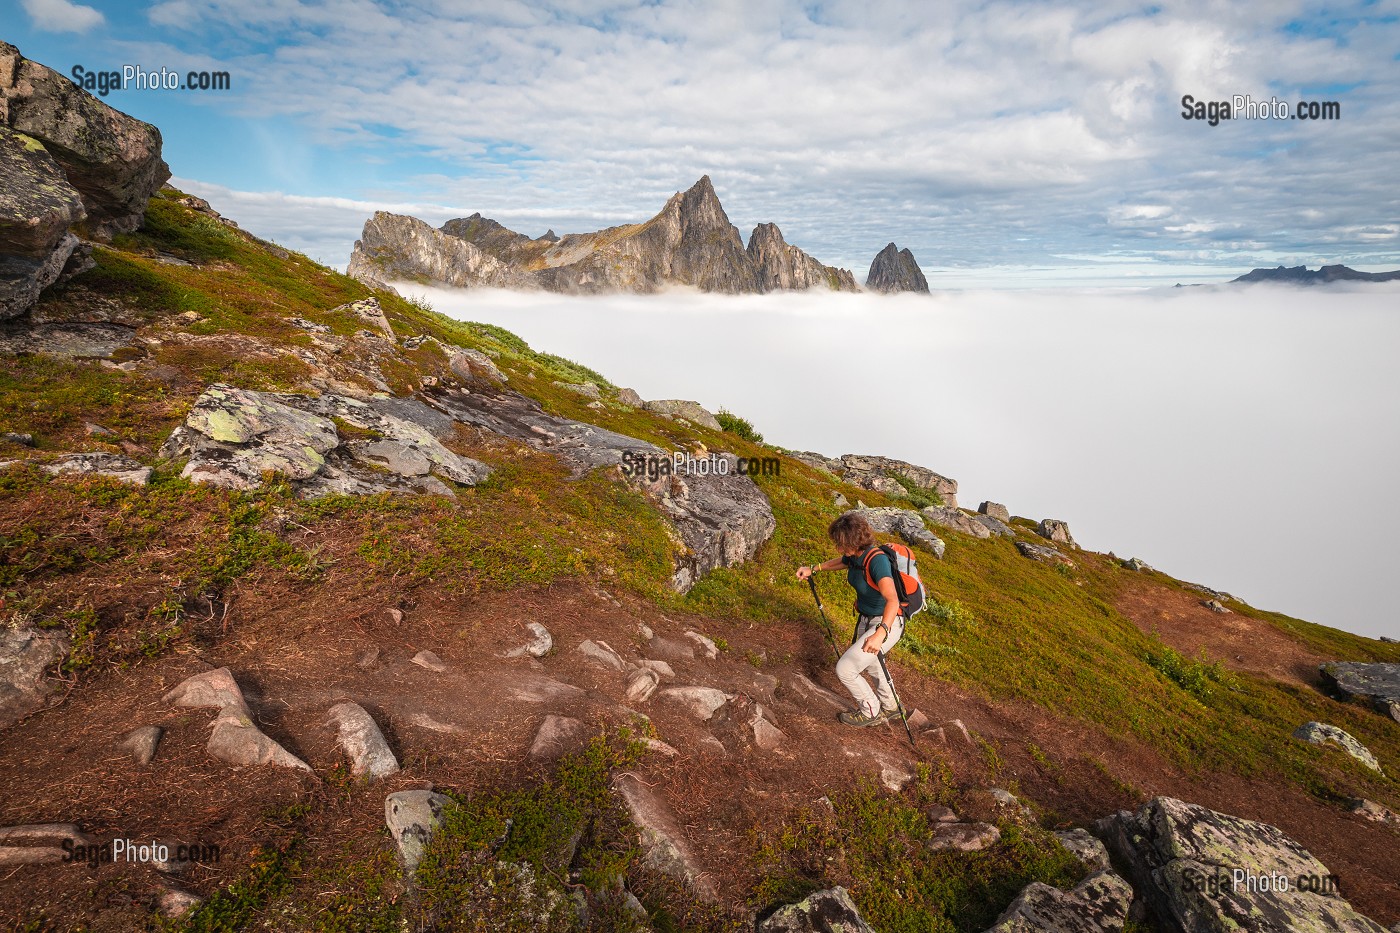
[(1200, 871), (962, 837), (1320, 733), (906, 523), (25, 657), (1378, 683), (829, 911), (113, 160), (693, 412), (895, 270), (233, 436), (1099, 904), (37, 206), (884, 474), (994, 525), (783, 267), (412, 816), (1084, 847), (98, 463)]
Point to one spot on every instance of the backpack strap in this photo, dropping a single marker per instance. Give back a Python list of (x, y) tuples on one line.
[(895, 572)]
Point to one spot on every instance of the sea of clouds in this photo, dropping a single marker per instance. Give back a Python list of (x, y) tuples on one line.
[(1241, 437)]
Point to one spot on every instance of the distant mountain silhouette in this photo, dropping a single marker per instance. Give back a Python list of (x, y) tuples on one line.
[(1301, 275)]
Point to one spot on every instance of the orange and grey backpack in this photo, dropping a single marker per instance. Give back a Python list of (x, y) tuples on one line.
[(907, 585)]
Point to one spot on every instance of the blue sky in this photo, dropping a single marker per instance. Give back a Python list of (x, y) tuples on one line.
[(1004, 143)]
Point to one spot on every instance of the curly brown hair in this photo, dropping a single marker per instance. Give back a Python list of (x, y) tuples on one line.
[(851, 532)]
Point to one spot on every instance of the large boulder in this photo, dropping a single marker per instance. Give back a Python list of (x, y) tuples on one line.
[(233, 436), (1379, 684), (1200, 871), (25, 657), (693, 412), (1099, 904), (113, 160), (895, 270), (957, 520), (906, 523), (37, 206), (1056, 530), (829, 911), (1321, 733), (884, 474)]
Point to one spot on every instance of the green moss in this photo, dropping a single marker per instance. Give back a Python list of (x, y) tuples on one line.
[(735, 425)]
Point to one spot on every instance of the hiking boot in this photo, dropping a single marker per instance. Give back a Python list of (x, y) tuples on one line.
[(858, 718), (889, 715)]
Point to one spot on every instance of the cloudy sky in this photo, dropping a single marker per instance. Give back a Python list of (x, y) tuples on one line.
[(1005, 143)]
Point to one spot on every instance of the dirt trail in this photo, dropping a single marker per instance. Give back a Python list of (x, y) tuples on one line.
[(470, 726)]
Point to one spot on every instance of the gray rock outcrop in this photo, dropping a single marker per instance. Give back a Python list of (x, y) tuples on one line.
[(557, 736), (995, 510), (957, 520), (883, 474), (693, 412), (235, 739), (783, 267), (37, 206), (232, 436), (895, 270), (700, 702), (829, 911), (1198, 871), (1378, 684), (721, 518), (906, 523), (1043, 554), (25, 657), (690, 242), (1055, 530), (1321, 733), (97, 463), (1099, 904)]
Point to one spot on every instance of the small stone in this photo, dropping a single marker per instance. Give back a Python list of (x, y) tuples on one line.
[(215, 688), (1134, 564), (840, 501), (938, 813), (960, 729), (412, 816), (601, 653), (894, 777), (645, 631), (556, 736), (766, 735), (430, 661), (661, 668), (1085, 847), (175, 903), (14, 437), (641, 683), (656, 745), (702, 702), (713, 746), (368, 658), (539, 645), (670, 649), (706, 647), (1376, 813), (964, 837), (142, 742), (1009, 801), (363, 742), (396, 615), (95, 430)]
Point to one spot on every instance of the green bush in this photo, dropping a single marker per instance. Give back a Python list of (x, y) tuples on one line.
[(736, 425)]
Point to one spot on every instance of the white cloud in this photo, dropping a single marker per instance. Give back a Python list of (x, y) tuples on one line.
[(62, 15)]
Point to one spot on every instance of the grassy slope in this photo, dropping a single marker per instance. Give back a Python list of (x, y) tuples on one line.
[(1004, 626)]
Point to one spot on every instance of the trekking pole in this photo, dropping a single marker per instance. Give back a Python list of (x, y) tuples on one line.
[(830, 633), (903, 717)]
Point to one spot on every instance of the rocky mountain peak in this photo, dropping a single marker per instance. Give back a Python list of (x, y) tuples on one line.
[(895, 270)]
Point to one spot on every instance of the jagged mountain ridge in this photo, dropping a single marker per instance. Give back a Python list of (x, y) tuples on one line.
[(690, 242), (1302, 275)]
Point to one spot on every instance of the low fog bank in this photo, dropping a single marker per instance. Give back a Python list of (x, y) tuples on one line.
[(1244, 438)]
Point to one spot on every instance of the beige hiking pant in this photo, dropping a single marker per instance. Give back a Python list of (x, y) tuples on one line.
[(857, 662)]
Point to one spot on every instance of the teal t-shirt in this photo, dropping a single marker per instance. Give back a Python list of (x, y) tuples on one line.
[(869, 601)]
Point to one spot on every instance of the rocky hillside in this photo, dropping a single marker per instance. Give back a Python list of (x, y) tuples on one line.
[(349, 616), (1302, 275), (690, 242)]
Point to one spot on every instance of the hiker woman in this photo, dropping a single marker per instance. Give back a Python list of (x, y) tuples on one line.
[(880, 623)]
